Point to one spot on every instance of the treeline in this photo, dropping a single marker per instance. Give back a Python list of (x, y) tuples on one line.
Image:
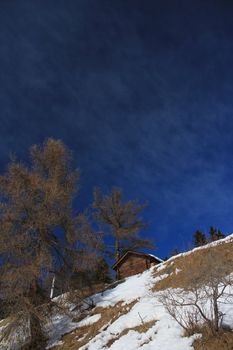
[(200, 238), (44, 241)]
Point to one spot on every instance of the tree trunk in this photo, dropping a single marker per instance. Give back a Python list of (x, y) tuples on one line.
[(37, 337), (216, 312), (117, 249)]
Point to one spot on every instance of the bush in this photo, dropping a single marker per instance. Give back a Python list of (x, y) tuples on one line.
[(199, 303)]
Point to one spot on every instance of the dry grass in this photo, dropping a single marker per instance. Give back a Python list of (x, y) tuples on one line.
[(5, 322), (182, 269), (179, 268), (221, 341), (77, 296), (142, 328), (82, 335)]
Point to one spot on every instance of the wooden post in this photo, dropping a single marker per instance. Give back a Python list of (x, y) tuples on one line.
[(52, 287)]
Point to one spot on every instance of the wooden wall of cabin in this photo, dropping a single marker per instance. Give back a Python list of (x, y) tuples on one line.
[(132, 265)]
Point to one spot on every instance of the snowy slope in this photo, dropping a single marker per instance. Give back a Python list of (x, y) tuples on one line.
[(165, 333), (142, 322)]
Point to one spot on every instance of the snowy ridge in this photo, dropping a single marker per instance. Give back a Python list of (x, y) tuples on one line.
[(227, 239)]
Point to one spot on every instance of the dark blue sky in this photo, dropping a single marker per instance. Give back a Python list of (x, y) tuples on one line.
[(141, 91)]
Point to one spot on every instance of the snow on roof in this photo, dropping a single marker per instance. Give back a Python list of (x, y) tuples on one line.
[(153, 256)]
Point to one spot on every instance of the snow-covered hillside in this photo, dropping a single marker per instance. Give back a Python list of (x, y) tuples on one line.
[(142, 321), (130, 315), (164, 334)]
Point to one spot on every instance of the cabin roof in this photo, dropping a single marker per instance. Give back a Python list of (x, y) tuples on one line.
[(120, 260)]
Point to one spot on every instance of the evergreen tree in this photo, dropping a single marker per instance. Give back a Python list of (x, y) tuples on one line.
[(215, 234), (199, 239)]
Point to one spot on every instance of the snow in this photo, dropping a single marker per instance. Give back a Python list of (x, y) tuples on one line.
[(132, 288), (165, 334), (227, 239), (153, 256), (89, 320), (162, 266), (227, 308), (60, 324)]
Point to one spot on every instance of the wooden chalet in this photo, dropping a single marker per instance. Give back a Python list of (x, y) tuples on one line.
[(132, 263)]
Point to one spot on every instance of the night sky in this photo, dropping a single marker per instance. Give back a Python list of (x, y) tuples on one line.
[(141, 91)]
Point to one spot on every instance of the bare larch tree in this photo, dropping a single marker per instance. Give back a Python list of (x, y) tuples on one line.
[(38, 231), (122, 219)]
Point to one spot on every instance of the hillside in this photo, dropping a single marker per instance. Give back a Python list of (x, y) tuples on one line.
[(131, 316)]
